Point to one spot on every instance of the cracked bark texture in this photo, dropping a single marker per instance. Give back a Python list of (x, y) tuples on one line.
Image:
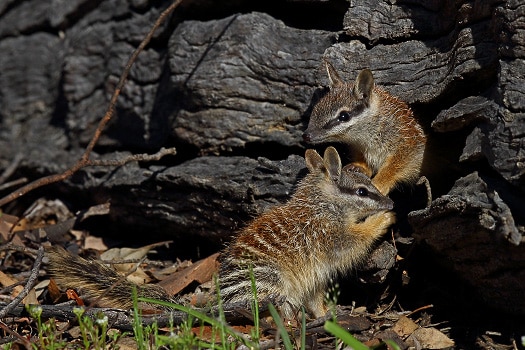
[(231, 85)]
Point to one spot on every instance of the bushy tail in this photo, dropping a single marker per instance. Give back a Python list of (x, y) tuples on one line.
[(97, 282)]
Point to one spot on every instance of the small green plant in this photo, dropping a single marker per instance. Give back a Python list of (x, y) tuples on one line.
[(222, 319), (219, 326), (138, 328), (303, 329), (182, 337), (331, 299), (47, 333), (94, 332)]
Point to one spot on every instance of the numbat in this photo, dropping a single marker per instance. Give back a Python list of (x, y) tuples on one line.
[(384, 138), (293, 250)]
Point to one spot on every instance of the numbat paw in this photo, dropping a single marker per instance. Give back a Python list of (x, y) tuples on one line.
[(389, 219)]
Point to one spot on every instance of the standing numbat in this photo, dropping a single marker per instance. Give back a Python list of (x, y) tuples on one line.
[(385, 140), (294, 250)]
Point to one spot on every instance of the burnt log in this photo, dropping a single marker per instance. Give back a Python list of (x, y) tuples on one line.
[(473, 232), (209, 196), (239, 90)]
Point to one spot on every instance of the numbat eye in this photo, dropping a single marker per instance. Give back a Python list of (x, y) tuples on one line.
[(362, 192), (343, 116)]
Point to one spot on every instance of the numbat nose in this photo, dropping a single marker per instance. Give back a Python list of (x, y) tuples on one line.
[(307, 137)]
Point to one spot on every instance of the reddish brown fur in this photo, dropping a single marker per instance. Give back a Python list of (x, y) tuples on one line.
[(295, 249), (385, 139)]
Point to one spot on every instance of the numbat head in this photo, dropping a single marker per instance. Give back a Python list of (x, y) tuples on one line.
[(295, 249), (384, 137)]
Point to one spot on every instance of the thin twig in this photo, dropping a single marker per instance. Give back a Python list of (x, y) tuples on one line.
[(133, 158), (18, 248), (420, 309), (13, 183), (29, 285), (84, 160)]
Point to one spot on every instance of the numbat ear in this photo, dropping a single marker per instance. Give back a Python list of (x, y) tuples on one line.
[(332, 162), (314, 162), (364, 85), (333, 76)]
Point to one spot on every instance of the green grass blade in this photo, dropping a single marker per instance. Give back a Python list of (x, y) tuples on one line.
[(340, 333), (205, 318), (255, 307), (137, 322), (222, 318), (281, 328)]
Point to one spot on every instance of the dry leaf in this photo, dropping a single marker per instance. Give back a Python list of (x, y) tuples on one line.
[(429, 338), (6, 224), (404, 327), (167, 271), (202, 271), (54, 291), (72, 295), (43, 212), (95, 243), (127, 343), (101, 209), (31, 298), (129, 253), (7, 281), (41, 286)]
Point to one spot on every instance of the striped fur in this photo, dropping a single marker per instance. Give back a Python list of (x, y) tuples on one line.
[(296, 249), (97, 282)]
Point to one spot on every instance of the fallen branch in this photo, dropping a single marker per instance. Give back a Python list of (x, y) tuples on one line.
[(234, 313), (85, 160)]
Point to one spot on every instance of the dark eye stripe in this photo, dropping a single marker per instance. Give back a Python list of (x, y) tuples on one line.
[(351, 114)]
